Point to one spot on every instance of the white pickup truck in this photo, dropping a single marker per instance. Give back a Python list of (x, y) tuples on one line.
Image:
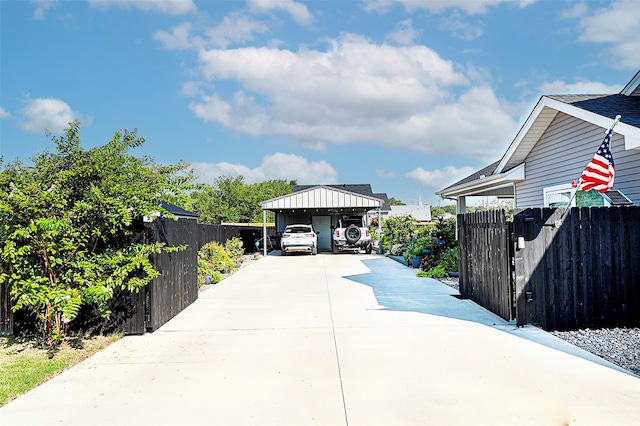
[(352, 233)]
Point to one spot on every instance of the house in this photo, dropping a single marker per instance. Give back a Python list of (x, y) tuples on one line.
[(176, 212), (556, 142), (323, 205), (421, 212)]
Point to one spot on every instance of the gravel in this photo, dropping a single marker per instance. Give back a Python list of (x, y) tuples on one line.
[(619, 346)]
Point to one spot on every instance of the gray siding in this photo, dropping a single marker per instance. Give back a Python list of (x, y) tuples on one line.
[(561, 155), (289, 217)]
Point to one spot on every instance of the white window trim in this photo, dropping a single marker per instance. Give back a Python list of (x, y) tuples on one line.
[(567, 187), (556, 189)]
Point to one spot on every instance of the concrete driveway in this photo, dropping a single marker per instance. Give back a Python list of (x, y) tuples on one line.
[(334, 340)]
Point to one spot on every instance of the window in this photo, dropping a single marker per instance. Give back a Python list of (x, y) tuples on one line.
[(560, 195)]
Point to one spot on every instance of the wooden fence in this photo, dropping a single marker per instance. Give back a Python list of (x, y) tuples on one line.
[(164, 297), (177, 286), (6, 317), (583, 272), (485, 254)]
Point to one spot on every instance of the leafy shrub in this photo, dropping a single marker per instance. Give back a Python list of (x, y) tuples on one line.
[(400, 229), (68, 222), (234, 248), (431, 260), (215, 259), (443, 247), (437, 272), (421, 246), (450, 260), (421, 274)]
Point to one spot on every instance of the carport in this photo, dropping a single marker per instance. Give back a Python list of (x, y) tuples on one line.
[(322, 206)]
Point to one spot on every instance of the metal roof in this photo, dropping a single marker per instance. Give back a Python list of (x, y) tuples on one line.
[(177, 210), (322, 197)]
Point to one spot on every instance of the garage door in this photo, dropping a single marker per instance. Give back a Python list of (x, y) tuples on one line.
[(323, 224)]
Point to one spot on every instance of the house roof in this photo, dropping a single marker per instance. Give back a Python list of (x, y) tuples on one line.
[(600, 110), (358, 188), (606, 105), (487, 171), (421, 212), (176, 210), (325, 197)]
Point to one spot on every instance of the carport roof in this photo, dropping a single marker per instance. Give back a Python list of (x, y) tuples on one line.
[(327, 197)]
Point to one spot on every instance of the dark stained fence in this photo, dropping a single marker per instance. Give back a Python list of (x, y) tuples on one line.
[(177, 286), (6, 317), (485, 259), (579, 271), (221, 233), (584, 272)]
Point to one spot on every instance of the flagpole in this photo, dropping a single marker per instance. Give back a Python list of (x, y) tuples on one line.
[(568, 207)]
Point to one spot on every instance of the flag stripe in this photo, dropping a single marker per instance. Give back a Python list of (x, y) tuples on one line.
[(600, 172)]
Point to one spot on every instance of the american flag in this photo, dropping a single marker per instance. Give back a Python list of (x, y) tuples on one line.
[(600, 172)]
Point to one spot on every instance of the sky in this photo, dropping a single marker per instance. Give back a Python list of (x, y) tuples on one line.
[(409, 96)]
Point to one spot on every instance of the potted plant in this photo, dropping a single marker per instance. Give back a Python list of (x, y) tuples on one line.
[(450, 262), (418, 249)]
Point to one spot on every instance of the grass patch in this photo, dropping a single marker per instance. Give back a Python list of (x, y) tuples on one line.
[(25, 364)]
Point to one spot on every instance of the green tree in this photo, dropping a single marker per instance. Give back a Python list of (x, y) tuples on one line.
[(395, 202), (400, 230), (67, 221), (437, 211), (230, 199)]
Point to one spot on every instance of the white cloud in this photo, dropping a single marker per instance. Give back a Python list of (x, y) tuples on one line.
[(441, 178), (386, 174), (178, 38), (46, 113), (459, 28), (356, 92), (277, 166), (298, 11), (379, 7), (41, 8), (235, 28), (617, 26), (165, 7), (579, 87), (470, 7), (405, 35), (4, 113)]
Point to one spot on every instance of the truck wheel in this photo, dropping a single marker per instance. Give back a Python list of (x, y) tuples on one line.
[(368, 249), (352, 234)]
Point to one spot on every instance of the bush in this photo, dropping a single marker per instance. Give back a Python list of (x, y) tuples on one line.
[(450, 260), (69, 221), (437, 272), (215, 259), (421, 246), (443, 247), (400, 229), (234, 248)]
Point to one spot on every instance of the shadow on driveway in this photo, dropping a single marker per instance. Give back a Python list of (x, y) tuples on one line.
[(397, 288)]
